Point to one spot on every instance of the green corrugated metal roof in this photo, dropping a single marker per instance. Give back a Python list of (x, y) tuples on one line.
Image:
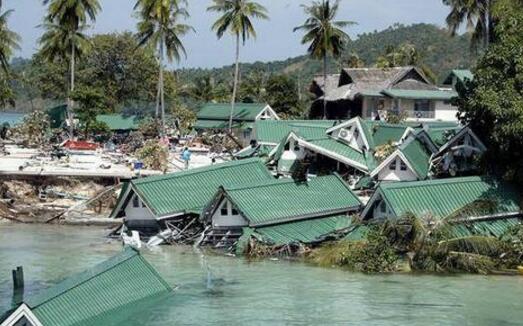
[(418, 156), (438, 135), (443, 197), (191, 190), (461, 75), (359, 233), (119, 121), (278, 201), (491, 228), (380, 133), (222, 111), (221, 124), (273, 131), (306, 232), (342, 149), (115, 283), (420, 94)]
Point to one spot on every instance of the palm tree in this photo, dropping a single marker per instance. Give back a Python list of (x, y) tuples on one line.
[(8, 40), (324, 35), (236, 18), (64, 24), (160, 26), (477, 14)]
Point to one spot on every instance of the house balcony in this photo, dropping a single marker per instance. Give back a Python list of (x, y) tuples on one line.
[(412, 114)]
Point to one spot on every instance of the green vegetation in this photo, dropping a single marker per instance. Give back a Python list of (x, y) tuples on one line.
[(236, 18), (493, 102), (153, 155), (9, 41)]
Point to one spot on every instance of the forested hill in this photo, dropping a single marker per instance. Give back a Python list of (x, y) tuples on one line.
[(439, 50)]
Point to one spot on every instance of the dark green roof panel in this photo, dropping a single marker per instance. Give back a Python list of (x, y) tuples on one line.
[(222, 111)]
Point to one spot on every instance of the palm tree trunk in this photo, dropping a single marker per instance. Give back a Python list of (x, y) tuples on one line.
[(235, 86), (325, 86), (162, 95), (69, 100)]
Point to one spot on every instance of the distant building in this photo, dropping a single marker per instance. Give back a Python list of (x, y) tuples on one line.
[(373, 93), (120, 123), (457, 78), (215, 116)]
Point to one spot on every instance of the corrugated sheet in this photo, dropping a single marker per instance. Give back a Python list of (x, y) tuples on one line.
[(380, 133), (340, 148), (273, 131), (191, 190), (444, 196), (307, 231), (421, 94), (278, 201), (222, 111), (418, 156), (493, 228), (221, 124), (115, 283), (119, 121)]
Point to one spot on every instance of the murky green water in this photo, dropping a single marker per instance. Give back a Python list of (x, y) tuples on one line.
[(267, 292)]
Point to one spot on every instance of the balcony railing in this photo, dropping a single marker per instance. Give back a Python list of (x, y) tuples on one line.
[(411, 114)]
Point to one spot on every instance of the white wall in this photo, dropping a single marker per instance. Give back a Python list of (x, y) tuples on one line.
[(386, 174), (220, 220), (446, 112), (294, 153), (137, 213)]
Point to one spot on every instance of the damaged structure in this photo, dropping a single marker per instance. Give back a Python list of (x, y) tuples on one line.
[(109, 293), (279, 212), (215, 116), (374, 93), (178, 198), (475, 205)]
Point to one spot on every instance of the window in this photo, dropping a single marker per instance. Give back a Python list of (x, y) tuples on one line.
[(422, 105), (136, 201), (383, 207), (392, 165), (296, 147), (356, 134), (403, 166), (224, 211), (234, 211), (287, 146)]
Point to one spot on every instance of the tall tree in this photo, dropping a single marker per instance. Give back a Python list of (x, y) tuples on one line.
[(492, 103), (477, 15), (324, 35), (65, 22), (160, 26), (9, 40), (236, 18)]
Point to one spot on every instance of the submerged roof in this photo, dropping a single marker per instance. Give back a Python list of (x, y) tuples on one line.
[(119, 121), (281, 201), (99, 291), (273, 131), (306, 231), (222, 111), (189, 191), (442, 197)]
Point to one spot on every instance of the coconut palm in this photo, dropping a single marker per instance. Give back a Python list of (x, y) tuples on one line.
[(476, 14), (64, 24), (160, 27), (8, 40), (324, 35), (236, 18)]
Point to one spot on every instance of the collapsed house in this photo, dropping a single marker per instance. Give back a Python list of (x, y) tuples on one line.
[(475, 205), (147, 204), (109, 293), (120, 123), (278, 212), (380, 151), (215, 116), (374, 93), (269, 133)]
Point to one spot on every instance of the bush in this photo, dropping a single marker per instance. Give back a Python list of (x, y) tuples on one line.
[(34, 130)]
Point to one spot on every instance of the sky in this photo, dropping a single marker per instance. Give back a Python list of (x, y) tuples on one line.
[(275, 41)]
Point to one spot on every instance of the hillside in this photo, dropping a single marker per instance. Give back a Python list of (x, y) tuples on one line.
[(440, 52)]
